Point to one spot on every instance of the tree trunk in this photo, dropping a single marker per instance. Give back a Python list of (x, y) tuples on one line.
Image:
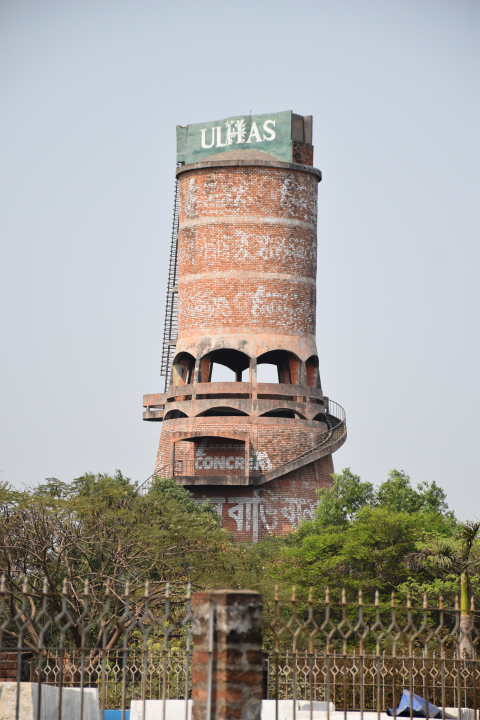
[(465, 647)]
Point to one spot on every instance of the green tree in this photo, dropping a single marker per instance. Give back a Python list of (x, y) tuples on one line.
[(339, 505), (366, 554), (459, 556), (359, 537), (100, 529), (349, 494), (397, 494)]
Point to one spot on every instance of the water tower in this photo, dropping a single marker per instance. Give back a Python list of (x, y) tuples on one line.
[(241, 298)]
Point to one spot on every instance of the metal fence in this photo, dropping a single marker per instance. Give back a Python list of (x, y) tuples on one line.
[(369, 680), (360, 656), (450, 680), (128, 647), (154, 675)]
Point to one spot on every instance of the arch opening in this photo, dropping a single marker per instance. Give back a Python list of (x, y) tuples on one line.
[(175, 415), (267, 373), (283, 413), (183, 369), (287, 364), (321, 417), (313, 372), (225, 365), (221, 412)]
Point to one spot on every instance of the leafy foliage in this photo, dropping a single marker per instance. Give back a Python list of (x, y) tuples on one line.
[(341, 503), (100, 529), (362, 538)]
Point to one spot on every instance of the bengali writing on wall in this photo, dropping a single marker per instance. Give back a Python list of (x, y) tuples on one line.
[(262, 507)]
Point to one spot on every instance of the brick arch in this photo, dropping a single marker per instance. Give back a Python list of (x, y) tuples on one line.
[(289, 365), (183, 368), (313, 372), (211, 412), (198, 435), (272, 413), (234, 359), (175, 415)]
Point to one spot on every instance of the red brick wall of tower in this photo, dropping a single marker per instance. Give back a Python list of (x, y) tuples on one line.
[(275, 509), (247, 253), (247, 264)]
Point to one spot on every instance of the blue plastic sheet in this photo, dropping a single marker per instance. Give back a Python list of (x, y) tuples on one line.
[(418, 705)]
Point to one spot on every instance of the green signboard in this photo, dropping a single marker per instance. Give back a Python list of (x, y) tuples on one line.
[(267, 133)]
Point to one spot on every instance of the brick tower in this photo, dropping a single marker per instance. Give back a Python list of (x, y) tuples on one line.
[(247, 261)]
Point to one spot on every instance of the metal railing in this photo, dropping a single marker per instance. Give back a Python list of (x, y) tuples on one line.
[(137, 645), (362, 655), (452, 678), (355, 679), (130, 647), (165, 674), (336, 411), (162, 472), (335, 432)]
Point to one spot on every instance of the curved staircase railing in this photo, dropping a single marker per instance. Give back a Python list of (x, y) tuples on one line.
[(331, 440)]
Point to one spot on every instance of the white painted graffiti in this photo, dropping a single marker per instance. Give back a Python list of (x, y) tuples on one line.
[(259, 460), (217, 502), (263, 509), (238, 129)]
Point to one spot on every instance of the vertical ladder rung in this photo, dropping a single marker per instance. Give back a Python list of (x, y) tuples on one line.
[(171, 308)]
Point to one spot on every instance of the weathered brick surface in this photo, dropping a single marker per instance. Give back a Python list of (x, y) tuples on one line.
[(234, 655), (247, 249), (238, 191), (276, 442), (247, 264), (248, 246), (302, 154), (281, 303), (272, 509), (252, 513), (9, 666)]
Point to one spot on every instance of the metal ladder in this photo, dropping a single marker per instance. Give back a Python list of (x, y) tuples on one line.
[(171, 307)]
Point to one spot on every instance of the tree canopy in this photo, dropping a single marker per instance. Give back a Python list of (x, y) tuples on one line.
[(363, 538), (341, 503), (100, 528)]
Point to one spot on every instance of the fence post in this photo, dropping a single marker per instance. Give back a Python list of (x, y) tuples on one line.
[(227, 660)]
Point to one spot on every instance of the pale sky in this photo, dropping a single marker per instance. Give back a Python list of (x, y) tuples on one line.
[(91, 91)]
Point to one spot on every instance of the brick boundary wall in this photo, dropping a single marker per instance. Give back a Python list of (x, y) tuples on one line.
[(235, 657), (9, 666)]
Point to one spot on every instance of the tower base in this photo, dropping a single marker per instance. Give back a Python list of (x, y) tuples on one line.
[(276, 508)]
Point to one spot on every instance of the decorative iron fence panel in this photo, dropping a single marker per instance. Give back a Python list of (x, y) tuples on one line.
[(138, 646), (347, 678)]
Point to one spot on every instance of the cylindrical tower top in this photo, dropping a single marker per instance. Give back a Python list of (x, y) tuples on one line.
[(247, 254)]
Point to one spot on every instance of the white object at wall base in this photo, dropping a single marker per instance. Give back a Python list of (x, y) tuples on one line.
[(49, 702), (175, 710)]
